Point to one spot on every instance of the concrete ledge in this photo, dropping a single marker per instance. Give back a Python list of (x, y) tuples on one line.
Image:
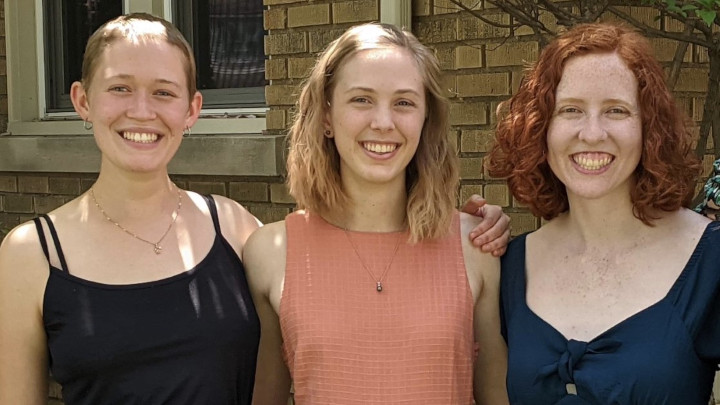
[(232, 155)]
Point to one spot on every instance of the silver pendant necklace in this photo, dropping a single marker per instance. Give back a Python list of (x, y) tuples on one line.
[(378, 281), (157, 248)]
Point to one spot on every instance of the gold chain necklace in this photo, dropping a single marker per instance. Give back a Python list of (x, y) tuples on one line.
[(156, 245), (378, 281)]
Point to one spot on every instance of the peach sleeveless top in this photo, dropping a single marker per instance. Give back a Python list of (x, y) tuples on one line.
[(347, 343)]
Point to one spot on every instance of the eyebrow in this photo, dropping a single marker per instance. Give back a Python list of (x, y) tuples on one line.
[(370, 90), (581, 101), (127, 76)]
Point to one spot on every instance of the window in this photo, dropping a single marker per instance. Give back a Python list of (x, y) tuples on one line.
[(68, 25), (226, 35)]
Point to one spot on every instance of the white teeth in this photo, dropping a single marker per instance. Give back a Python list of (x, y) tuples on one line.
[(379, 147), (591, 164), (140, 137)]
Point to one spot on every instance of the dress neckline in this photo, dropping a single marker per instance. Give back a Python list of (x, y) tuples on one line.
[(676, 285), (144, 284), (327, 224)]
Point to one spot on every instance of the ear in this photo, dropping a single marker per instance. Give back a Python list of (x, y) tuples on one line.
[(327, 126), (194, 110), (79, 98)]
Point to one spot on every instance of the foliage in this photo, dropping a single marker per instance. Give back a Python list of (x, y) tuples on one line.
[(705, 10)]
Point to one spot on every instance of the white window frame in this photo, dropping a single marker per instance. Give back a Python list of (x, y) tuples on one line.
[(26, 79)]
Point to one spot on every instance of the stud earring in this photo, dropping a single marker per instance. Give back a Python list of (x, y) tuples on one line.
[(328, 133)]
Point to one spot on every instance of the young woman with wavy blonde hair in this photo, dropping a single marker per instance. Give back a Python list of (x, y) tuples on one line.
[(374, 294)]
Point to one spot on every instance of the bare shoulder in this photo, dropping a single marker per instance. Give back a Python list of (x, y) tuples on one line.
[(23, 266), (696, 225), (236, 222), (234, 214), (268, 240), (483, 269), (23, 243), (264, 256), (684, 225), (695, 220)]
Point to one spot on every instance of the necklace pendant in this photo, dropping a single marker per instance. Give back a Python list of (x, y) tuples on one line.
[(379, 286), (157, 249)]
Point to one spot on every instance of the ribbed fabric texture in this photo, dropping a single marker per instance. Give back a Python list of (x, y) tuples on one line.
[(347, 343)]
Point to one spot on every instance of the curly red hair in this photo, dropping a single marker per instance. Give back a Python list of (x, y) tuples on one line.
[(668, 169)]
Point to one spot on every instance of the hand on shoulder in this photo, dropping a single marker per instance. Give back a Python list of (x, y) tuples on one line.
[(482, 268)]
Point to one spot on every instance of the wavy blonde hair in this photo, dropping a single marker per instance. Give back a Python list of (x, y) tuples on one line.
[(314, 163)]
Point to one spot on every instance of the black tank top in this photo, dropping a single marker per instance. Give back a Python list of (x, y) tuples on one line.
[(188, 339)]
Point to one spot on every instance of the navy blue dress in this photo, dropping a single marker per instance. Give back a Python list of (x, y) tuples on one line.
[(664, 354)]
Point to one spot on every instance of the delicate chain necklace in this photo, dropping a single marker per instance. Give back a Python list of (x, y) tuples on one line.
[(156, 245), (378, 281)]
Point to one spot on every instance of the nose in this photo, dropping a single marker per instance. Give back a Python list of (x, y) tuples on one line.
[(593, 130), (383, 120), (141, 107)]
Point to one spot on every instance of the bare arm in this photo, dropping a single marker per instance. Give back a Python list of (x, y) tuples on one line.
[(492, 232), (23, 346), (491, 364), (264, 258)]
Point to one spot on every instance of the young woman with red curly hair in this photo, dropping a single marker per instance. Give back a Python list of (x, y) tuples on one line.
[(621, 286)]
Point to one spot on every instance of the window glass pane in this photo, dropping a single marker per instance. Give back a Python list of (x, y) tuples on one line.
[(227, 38), (68, 25), (235, 39)]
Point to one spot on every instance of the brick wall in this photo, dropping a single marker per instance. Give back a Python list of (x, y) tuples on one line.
[(25, 195)]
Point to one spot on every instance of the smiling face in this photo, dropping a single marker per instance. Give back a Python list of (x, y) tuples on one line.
[(138, 103), (595, 135), (376, 115)]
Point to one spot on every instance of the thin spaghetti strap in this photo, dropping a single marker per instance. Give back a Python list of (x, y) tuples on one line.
[(56, 241), (41, 235), (213, 212)]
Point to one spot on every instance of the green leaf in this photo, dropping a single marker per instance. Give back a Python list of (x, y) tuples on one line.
[(689, 7), (707, 16), (708, 5)]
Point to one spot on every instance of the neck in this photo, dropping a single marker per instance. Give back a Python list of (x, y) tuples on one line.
[(135, 196), (602, 222), (373, 209)]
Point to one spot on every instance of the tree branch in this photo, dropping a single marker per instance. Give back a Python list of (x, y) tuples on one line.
[(480, 17), (663, 34), (563, 17), (680, 51)]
